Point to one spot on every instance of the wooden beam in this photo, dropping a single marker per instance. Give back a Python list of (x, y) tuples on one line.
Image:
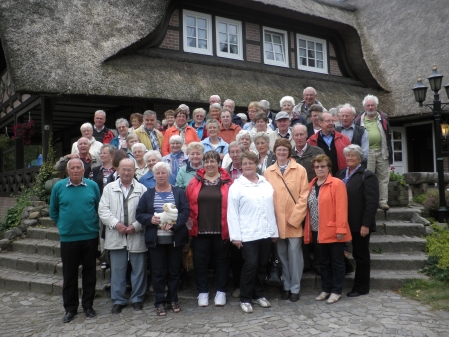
[(46, 124)]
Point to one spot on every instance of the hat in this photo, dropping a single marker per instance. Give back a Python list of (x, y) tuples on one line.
[(282, 115)]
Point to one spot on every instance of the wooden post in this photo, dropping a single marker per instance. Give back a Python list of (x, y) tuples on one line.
[(46, 124)]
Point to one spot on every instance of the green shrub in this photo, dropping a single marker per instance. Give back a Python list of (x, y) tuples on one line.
[(397, 177), (432, 202), (420, 199), (437, 248), (14, 214)]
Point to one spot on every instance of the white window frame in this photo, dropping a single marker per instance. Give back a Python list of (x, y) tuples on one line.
[(284, 35), (325, 69), (196, 50), (238, 56)]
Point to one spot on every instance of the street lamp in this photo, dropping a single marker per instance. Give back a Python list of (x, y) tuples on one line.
[(420, 90)]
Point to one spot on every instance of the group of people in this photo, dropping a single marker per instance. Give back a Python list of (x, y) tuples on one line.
[(285, 183)]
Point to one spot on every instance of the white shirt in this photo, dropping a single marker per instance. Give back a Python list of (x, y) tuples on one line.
[(94, 147), (251, 210)]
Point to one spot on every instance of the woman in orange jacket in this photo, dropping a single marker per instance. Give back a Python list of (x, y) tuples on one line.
[(327, 221)]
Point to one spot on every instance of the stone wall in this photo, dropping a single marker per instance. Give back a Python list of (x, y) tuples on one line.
[(397, 194), (5, 204)]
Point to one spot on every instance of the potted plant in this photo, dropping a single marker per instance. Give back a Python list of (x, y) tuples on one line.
[(397, 189), (25, 131)]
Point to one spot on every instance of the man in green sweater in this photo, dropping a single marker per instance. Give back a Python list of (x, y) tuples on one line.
[(74, 206)]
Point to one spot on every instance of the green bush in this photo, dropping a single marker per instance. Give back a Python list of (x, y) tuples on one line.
[(437, 248), (420, 199), (432, 202), (14, 214)]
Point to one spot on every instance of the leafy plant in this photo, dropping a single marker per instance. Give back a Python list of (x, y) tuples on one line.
[(397, 177), (420, 199), (432, 202), (378, 250), (25, 131), (14, 214), (5, 142), (437, 248)]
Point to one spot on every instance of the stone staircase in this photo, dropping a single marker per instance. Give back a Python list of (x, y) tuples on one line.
[(396, 253)]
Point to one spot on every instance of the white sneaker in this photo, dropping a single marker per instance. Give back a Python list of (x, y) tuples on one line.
[(246, 307), (203, 299), (220, 299), (333, 298), (322, 296), (263, 302)]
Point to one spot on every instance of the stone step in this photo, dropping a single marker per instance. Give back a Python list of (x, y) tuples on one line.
[(396, 243), (43, 247), (47, 222), (398, 227), (397, 261), (398, 213), (50, 233)]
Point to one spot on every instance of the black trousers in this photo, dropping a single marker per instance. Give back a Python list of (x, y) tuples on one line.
[(165, 267), (360, 252), (236, 265), (332, 266), (73, 254), (255, 258), (311, 248), (206, 248)]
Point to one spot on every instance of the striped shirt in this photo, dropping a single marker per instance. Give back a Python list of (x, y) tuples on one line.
[(161, 198)]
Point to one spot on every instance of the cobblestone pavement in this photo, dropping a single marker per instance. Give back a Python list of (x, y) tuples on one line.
[(381, 313)]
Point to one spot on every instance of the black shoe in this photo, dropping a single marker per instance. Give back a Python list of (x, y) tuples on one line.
[(107, 287), (69, 315), (294, 297), (137, 306), (117, 308), (90, 312), (129, 289), (354, 293), (285, 295)]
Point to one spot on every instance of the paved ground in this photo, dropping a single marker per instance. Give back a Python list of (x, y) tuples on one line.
[(377, 314)]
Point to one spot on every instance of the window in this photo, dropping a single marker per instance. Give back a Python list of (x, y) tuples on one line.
[(275, 47), (197, 32), (229, 38), (312, 54)]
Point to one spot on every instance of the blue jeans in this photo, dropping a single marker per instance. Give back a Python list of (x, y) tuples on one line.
[(119, 264)]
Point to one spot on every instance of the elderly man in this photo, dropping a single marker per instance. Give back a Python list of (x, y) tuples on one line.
[(89, 161), (380, 154), (87, 131), (147, 132), (214, 99), (283, 129), (101, 133), (309, 96), (331, 141), (119, 141), (253, 109), (73, 206), (314, 126), (356, 133), (234, 169), (230, 104), (265, 105), (124, 237)]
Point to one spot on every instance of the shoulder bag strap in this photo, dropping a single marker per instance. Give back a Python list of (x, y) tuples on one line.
[(288, 190)]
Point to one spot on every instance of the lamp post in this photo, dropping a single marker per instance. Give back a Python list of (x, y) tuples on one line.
[(420, 90)]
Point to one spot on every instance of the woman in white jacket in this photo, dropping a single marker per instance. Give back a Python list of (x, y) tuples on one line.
[(252, 228)]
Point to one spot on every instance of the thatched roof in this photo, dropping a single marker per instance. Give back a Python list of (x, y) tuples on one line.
[(96, 48)]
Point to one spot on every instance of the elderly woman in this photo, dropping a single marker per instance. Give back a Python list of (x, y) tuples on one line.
[(195, 151), (151, 158), (266, 157), (87, 131), (245, 138), (136, 121), (213, 142), (165, 241), (252, 228), (362, 188), (287, 104), (228, 130), (253, 109), (131, 139), (327, 221), (177, 158), (207, 193), (119, 141), (100, 174), (290, 184), (169, 119), (214, 111), (138, 151), (262, 125), (198, 122)]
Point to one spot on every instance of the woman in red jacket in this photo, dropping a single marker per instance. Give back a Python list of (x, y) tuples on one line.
[(327, 217), (207, 193)]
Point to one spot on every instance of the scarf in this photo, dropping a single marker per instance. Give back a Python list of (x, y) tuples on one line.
[(348, 176), (182, 133), (174, 161)]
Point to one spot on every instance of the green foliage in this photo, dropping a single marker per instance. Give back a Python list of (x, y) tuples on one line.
[(420, 199), (438, 250), (432, 202), (397, 177), (431, 292), (14, 214), (378, 250), (6, 142)]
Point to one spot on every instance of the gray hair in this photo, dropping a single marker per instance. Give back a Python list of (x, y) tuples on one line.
[(347, 105), (195, 145), (184, 107), (212, 121), (215, 105), (139, 145), (320, 116), (100, 112), (300, 125), (149, 113), (111, 148), (132, 135), (310, 88), (86, 125), (215, 96), (155, 153), (236, 144), (287, 98), (226, 110), (334, 112), (265, 104), (242, 116), (244, 134), (166, 166), (175, 139), (263, 135), (230, 101), (121, 121), (199, 110), (353, 148), (370, 98), (74, 159)]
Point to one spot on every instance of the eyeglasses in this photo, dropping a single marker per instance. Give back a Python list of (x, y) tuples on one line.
[(322, 167), (281, 150)]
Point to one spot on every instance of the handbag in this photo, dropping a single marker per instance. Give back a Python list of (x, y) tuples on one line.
[(274, 277)]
